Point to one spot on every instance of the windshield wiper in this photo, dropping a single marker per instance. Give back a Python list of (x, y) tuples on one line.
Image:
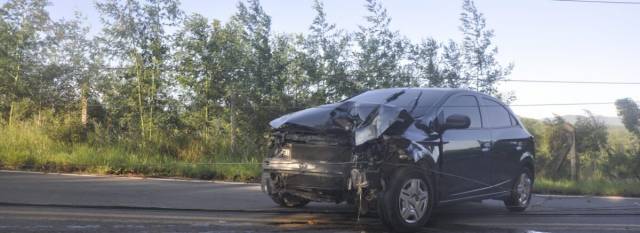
[(415, 104), (394, 96)]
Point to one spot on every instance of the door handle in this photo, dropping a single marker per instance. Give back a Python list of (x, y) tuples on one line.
[(485, 146)]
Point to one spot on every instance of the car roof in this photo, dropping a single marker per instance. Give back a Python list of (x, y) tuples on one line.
[(443, 90)]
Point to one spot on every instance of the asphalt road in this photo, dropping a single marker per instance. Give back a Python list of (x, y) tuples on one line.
[(35, 202)]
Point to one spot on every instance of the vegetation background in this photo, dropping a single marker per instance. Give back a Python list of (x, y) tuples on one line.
[(161, 93)]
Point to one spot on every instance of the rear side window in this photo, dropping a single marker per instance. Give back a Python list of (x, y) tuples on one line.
[(464, 105), (514, 122), (494, 115)]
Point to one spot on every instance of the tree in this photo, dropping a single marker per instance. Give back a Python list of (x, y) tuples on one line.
[(78, 62), (198, 58), (452, 66), (630, 113), (591, 140), (561, 143), (24, 40), (325, 52), (591, 134), (252, 96), (380, 52), (425, 63), (478, 52), (134, 35)]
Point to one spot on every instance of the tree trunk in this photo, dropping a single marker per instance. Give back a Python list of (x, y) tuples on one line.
[(139, 77), (11, 113), (84, 106), (39, 123), (152, 95), (12, 108), (575, 162), (84, 110), (206, 108), (233, 127)]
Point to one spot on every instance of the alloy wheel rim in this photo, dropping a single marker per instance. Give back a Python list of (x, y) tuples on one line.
[(524, 189), (414, 200)]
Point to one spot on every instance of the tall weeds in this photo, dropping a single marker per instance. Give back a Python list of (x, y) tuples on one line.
[(27, 146)]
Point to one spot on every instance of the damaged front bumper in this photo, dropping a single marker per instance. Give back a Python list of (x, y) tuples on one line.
[(308, 175), (318, 181)]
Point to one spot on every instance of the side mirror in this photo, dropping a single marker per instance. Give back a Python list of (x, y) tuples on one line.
[(457, 121)]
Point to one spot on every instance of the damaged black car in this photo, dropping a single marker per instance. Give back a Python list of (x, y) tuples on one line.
[(401, 152)]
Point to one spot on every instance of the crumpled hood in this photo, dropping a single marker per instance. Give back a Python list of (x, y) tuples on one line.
[(316, 119), (367, 121)]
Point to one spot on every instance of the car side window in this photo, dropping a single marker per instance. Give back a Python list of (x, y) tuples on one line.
[(464, 105), (494, 115), (514, 122)]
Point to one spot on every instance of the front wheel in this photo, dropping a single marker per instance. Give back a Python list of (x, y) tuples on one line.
[(520, 195), (407, 204)]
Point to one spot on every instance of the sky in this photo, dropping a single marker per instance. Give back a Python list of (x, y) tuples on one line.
[(543, 39)]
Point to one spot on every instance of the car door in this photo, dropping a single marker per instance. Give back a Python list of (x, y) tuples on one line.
[(465, 163), (507, 142)]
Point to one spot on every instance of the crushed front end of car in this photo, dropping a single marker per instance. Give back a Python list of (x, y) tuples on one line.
[(344, 151)]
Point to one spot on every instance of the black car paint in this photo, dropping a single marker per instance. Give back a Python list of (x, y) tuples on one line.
[(473, 163)]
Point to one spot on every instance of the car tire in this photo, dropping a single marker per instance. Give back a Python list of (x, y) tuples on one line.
[(407, 203), (520, 194), (288, 200)]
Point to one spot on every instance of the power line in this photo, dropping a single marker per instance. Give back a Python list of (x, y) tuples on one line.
[(597, 1), (561, 104), (569, 82)]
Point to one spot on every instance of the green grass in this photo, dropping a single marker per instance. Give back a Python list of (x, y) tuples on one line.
[(28, 148), (629, 188)]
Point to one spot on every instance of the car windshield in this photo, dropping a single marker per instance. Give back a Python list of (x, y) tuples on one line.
[(403, 98)]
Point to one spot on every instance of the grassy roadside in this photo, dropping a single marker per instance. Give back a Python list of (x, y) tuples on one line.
[(116, 164), (627, 188), (27, 148)]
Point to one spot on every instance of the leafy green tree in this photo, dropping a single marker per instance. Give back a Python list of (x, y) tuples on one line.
[(591, 134), (79, 63), (478, 52), (452, 66), (199, 58), (630, 113), (25, 26), (425, 63), (260, 92), (559, 142), (325, 52), (380, 52), (252, 96), (591, 142), (134, 35)]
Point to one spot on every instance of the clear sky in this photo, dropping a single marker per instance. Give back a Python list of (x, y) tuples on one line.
[(544, 39)]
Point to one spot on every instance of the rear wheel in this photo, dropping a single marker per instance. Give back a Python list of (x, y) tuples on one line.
[(520, 195), (407, 204), (288, 200)]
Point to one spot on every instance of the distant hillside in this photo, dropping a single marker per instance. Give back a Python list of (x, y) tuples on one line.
[(608, 120)]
